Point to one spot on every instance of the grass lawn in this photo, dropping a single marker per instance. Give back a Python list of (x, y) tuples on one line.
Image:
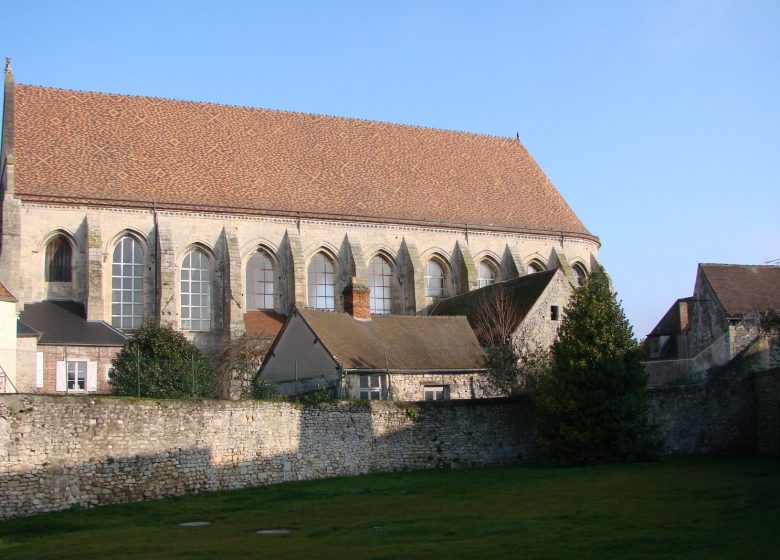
[(723, 507)]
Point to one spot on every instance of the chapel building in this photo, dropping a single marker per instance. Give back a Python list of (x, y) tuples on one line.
[(220, 219)]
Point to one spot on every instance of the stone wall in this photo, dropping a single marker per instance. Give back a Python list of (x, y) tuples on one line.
[(58, 451), (229, 241), (768, 412), (538, 329), (717, 416)]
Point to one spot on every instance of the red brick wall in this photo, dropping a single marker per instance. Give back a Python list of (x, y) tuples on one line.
[(53, 354), (357, 302)]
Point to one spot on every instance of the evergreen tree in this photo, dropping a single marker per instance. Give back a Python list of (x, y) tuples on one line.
[(158, 361), (592, 405)]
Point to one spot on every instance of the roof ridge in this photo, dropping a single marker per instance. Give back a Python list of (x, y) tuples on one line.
[(740, 265), (285, 111), (381, 317)]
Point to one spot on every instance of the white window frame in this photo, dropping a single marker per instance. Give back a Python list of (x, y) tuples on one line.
[(195, 301), (260, 281), (486, 279), (436, 393), (380, 283), (371, 387), (435, 284), (321, 275), (78, 370), (127, 284)]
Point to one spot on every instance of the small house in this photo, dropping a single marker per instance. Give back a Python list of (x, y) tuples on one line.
[(380, 357)]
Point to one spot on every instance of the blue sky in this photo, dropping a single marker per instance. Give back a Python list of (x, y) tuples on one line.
[(658, 121)]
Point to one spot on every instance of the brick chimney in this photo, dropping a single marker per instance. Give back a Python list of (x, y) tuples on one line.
[(356, 300)]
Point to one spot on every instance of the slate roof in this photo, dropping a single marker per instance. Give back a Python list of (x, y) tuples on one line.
[(64, 322), (524, 291), (5, 295), (744, 289), (23, 329), (397, 342), (120, 150)]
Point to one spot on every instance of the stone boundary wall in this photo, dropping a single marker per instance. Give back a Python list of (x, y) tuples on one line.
[(58, 451), (768, 412), (716, 416)]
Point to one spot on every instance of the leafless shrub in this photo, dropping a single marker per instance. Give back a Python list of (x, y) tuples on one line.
[(511, 370), (237, 365), (496, 318)]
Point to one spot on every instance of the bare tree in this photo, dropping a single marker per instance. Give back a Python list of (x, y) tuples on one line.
[(237, 365), (512, 370), (496, 317)]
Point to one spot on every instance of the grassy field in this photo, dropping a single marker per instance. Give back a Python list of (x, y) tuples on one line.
[(680, 508)]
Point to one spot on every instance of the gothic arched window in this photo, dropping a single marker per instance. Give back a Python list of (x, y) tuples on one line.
[(580, 274), (434, 279), (58, 260), (535, 266), (486, 274), (196, 292), (322, 282), (260, 281), (127, 277), (380, 276)]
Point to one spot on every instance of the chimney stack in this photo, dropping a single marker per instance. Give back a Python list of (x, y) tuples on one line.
[(356, 300)]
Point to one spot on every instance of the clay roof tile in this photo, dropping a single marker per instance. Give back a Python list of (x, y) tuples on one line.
[(121, 150)]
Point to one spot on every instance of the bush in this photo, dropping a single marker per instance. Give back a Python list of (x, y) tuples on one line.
[(159, 362), (264, 389), (512, 372), (592, 405)]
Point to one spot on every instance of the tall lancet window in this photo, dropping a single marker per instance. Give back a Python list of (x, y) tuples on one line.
[(380, 276), (196, 292), (486, 274), (322, 282), (434, 279), (58, 260), (260, 282), (127, 278)]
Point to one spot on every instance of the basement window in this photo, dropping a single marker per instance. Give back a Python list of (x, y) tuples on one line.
[(436, 393), (555, 313)]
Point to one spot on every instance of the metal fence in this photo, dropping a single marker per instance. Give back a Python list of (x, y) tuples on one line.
[(63, 370), (18, 370)]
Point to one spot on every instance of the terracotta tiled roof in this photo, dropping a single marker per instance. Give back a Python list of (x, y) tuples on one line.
[(126, 150), (5, 295), (397, 342), (265, 324), (744, 288)]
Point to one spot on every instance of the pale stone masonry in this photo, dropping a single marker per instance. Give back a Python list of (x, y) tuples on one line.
[(59, 451), (91, 169), (230, 241)]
